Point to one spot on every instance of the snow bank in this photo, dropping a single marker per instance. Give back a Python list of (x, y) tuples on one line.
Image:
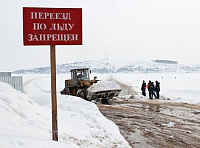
[(127, 88), (83, 121), (25, 124), (19, 112)]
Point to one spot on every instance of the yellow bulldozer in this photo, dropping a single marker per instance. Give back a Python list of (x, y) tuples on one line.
[(80, 85)]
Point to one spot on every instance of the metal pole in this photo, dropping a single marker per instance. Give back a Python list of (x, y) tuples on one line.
[(53, 93)]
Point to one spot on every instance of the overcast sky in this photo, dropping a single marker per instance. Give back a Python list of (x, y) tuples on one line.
[(124, 30)]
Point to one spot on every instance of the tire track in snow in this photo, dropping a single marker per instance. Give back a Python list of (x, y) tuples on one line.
[(29, 83)]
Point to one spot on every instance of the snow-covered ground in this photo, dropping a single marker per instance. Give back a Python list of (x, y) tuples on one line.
[(26, 117), (176, 87)]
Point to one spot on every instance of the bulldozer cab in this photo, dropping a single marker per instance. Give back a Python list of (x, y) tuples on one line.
[(78, 75)]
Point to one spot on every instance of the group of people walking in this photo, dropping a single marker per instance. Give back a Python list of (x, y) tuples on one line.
[(151, 88)]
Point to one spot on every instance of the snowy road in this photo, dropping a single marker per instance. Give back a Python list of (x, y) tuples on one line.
[(37, 92), (156, 123)]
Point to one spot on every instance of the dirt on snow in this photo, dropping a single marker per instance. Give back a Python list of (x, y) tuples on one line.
[(155, 123)]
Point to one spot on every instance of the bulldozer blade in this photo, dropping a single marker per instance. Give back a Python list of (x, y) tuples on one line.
[(106, 94)]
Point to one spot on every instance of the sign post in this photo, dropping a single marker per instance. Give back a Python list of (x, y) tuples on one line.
[(52, 26), (53, 93)]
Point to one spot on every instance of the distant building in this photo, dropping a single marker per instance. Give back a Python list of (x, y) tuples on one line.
[(165, 62)]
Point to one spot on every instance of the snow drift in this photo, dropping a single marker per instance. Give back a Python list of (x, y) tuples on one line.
[(127, 88), (25, 124)]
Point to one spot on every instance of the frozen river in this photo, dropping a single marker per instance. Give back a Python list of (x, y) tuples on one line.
[(176, 87)]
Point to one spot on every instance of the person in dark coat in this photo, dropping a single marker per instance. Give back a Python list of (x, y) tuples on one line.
[(157, 89), (151, 89), (143, 88)]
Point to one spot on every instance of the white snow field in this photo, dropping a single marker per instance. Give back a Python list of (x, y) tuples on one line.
[(26, 120), (181, 87), (26, 117)]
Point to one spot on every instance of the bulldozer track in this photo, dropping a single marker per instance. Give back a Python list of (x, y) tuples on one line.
[(156, 123)]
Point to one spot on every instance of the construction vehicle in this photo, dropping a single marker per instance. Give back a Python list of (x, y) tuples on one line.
[(80, 85)]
